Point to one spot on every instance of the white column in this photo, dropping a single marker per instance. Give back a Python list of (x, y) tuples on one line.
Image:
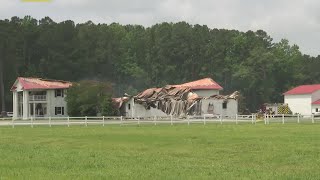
[(15, 104), (34, 109), (132, 108), (49, 108), (25, 105)]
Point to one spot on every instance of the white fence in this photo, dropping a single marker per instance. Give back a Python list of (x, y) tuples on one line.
[(284, 118), (156, 120)]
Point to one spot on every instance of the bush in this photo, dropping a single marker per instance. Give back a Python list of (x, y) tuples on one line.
[(89, 98)]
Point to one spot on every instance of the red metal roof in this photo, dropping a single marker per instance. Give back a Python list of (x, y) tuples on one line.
[(316, 102), (206, 83), (304, 89), (38, 83)]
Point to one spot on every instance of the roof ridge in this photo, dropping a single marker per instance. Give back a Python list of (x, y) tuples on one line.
[(45, 79)]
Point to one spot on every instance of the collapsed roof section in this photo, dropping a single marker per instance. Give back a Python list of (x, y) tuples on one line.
[(176, 100), (172, 100)]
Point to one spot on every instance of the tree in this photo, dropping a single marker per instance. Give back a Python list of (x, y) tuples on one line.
[(132, 58), (89, 98)]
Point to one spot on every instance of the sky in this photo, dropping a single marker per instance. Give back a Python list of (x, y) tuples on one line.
[(295, 20)]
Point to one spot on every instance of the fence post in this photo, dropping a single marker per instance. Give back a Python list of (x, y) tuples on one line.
[(86, 120), (312, 118), (138, 120), (220, 118), (282, 118), (31, 122), (204, 119), (68, 121), (12, 122), (188, 120), (255, 119), (155, 120), (298, 118), (120, 120), (50, 121), (268, 119), (102, 120), (171, 120), (251, 118), (236, 118)]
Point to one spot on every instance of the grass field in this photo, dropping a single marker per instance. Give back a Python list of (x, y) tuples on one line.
[(290, 151)]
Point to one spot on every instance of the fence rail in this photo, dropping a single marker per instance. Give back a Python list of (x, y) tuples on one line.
[(156, 120)]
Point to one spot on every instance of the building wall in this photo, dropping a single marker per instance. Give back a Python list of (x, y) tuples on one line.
[(206, 93), (129, 111), (56, 102), (314, 108), (51, 102), (300, 103), (231, 110), (138, 110)]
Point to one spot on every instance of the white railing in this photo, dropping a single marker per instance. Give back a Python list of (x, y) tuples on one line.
[(37, 97), (286, 118), (156, 120), (104, 120)]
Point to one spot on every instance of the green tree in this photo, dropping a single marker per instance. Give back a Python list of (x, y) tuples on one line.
[(88, 98), (132, 58)]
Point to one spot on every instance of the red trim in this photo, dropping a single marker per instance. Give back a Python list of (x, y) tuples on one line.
[(316, 102)]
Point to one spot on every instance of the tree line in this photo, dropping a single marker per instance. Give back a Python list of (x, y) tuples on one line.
[(132, 57)]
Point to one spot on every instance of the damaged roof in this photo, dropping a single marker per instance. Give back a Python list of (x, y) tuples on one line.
[(206, 83), (29, 83), (176, 99), (117, 102)]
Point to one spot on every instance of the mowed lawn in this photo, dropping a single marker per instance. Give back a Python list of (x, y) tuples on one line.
[(290, 151)]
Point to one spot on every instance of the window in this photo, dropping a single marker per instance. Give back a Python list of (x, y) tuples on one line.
[(129, 106), (210, 108), (317, 110), (224, 105), (59, 93), (59, 110)]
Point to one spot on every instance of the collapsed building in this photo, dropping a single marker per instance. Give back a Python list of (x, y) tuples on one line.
[(194, 98)]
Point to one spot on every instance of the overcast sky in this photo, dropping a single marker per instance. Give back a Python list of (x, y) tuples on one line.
[(296, 20)]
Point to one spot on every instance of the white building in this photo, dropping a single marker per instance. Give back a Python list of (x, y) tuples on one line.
[(198, 97), (36, 97), (304, 99)]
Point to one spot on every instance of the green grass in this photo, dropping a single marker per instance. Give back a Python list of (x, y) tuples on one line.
[(290, 151)]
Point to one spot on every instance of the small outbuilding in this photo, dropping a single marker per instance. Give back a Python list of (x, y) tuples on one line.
[(304, 99)]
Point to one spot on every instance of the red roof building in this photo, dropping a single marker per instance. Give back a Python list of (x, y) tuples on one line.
[(304, 99), (37, 97)]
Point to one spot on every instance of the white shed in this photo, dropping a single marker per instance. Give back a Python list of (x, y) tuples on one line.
[(304, 99)]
